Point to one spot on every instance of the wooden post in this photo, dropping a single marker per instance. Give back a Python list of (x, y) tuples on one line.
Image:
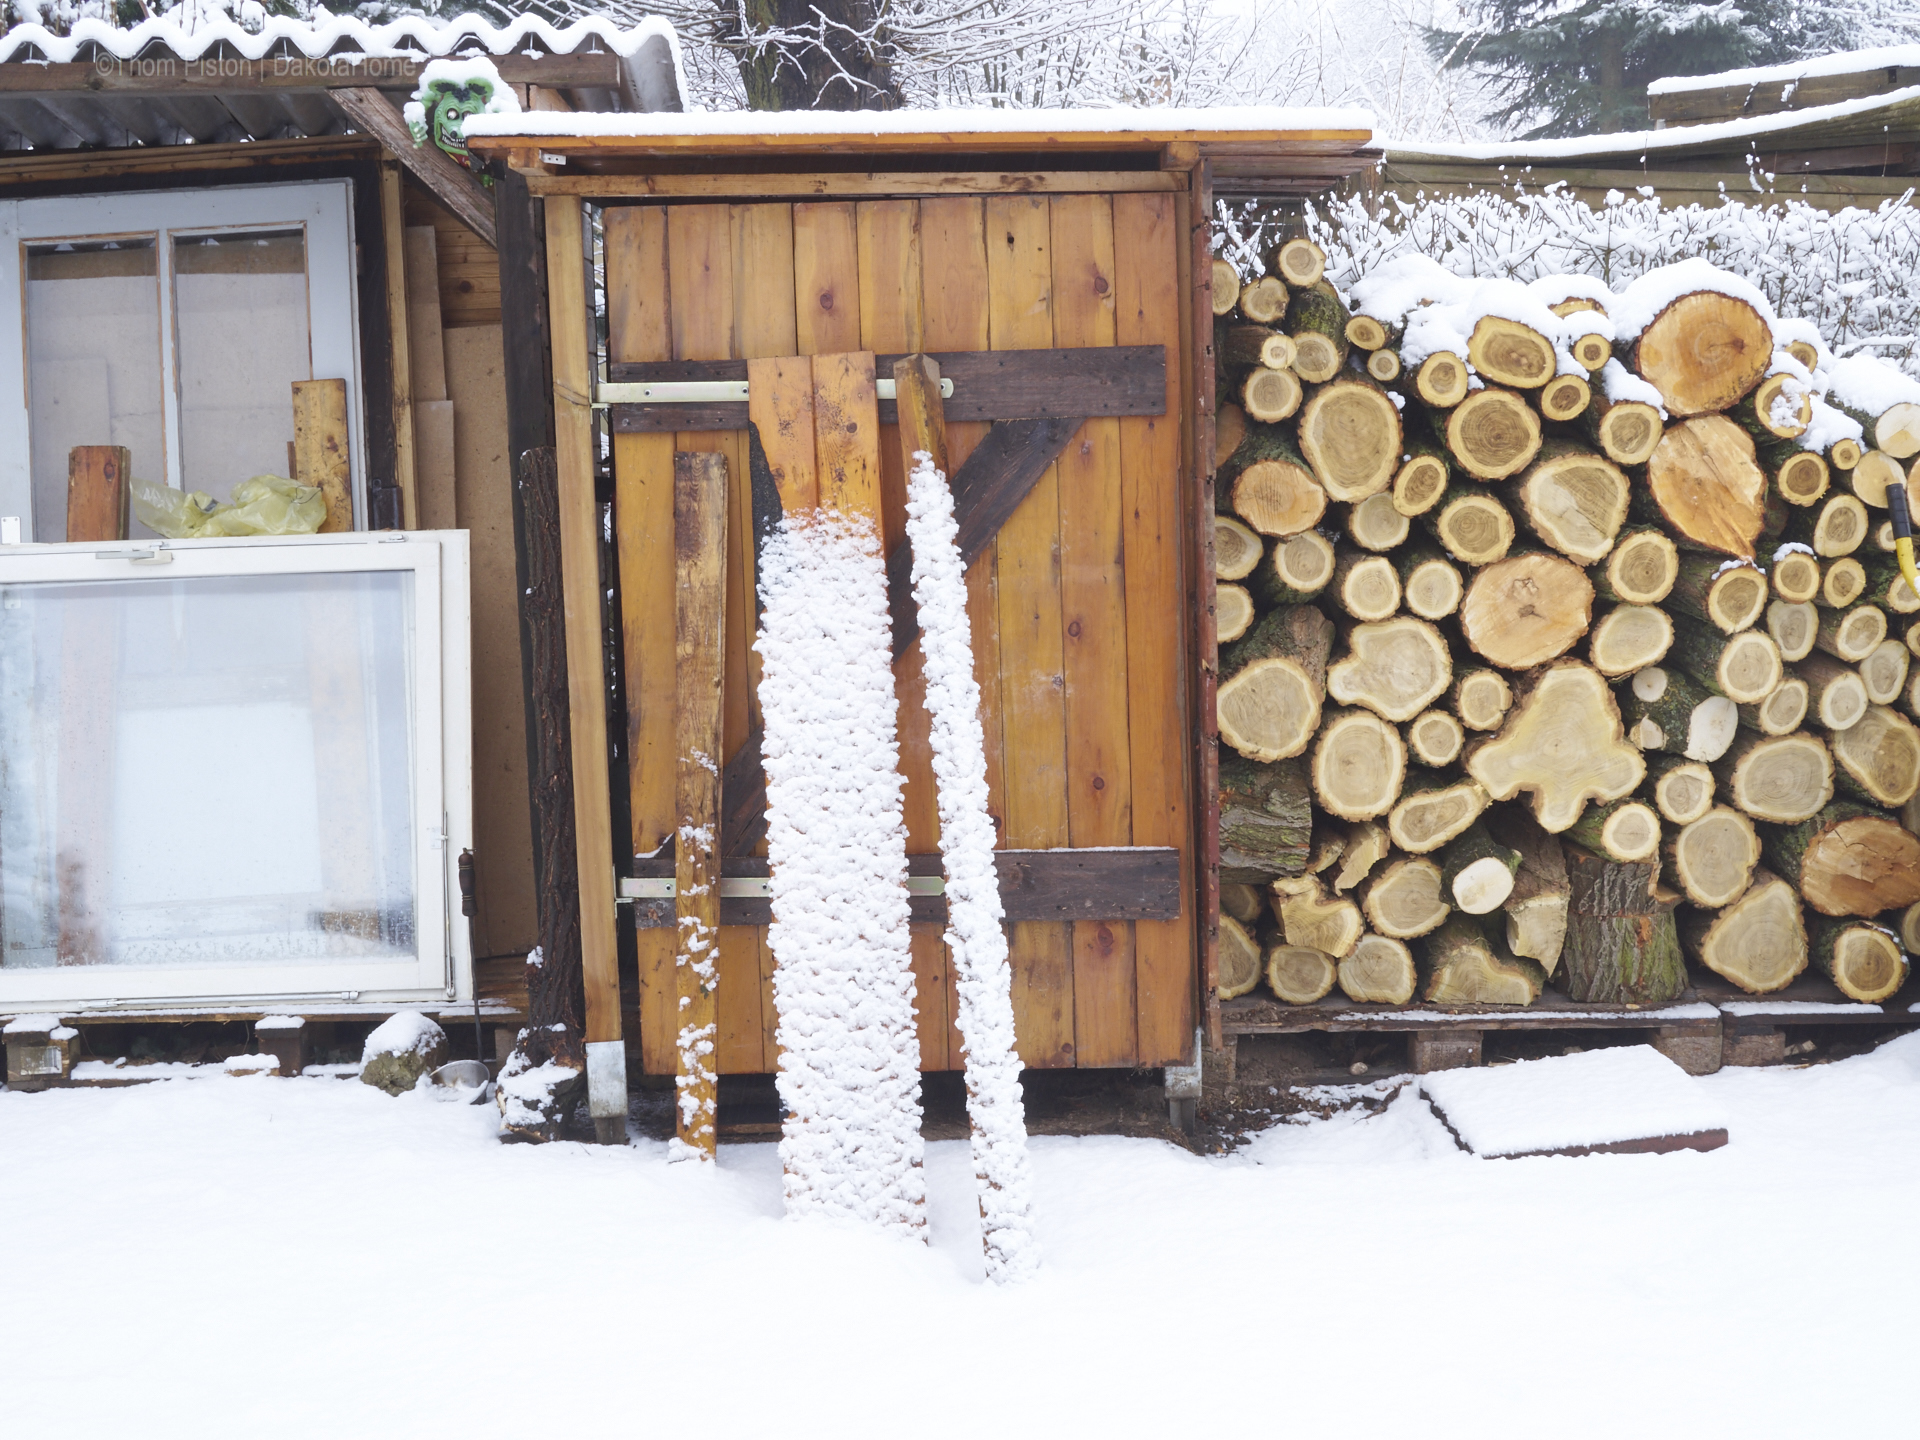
[(97, 492), (699, 558), (586, 692), (1199, 305), (320, 448), (393, 228)]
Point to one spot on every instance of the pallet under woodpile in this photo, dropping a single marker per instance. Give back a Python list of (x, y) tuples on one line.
[(1565, 660)]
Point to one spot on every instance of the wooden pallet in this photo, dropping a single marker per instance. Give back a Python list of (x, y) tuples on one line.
[(1250, 1015)]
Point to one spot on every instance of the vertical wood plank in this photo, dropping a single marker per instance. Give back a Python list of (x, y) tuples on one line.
[(826, 278), (1033, 713), (1093, 610), (320, 448), (580, 572), (97, 494), (639, 328), (1197, 401), (699, 534), (780, 407), (846, 433), (393, 235), (1147, 284)]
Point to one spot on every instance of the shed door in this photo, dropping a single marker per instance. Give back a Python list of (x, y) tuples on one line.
[(1078, 608)]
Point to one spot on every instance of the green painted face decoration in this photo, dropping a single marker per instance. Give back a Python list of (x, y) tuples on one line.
[(446, 105)]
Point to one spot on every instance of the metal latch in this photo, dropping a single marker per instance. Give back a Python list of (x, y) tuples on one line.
[(155, 555)]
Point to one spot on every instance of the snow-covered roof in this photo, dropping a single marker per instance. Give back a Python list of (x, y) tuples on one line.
[(1845, 62)]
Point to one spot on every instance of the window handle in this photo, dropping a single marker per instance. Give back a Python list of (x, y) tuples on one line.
[(156, 555)]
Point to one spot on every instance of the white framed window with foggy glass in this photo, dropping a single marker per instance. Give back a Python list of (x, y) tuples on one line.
[(173, 322)]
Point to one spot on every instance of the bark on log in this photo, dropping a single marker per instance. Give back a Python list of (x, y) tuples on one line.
[(1481, 698), (1862, 960), (1239, 963), (1848, 860), (1376, 524), (1464, 967), (1436, 739), (1404, 900), (1430, 812), (1780, 778), (1478, 871), (1836, 526), (1232, 612), (1269, 486), (1759, 942), (1728, 594), (1536, 911), (1796, 575), (1836, 695), (1299, 974), (1624, 830), (1622, 947), (1317, 321), (1526, 610), (1430, 582), (1682, 789), (1294, 571), (1877, 759), (1625, 430), (1629, 638), (1850, 635), (1359, 763), (1266, 818), (1782, 712), (1252, 345), (1380, 971), (1236, 549), (1442, 380), (1474, 527), (1350, 434), (1572, 499), (1641, 569), (1365, 586), (1744, 667), (1666, 709), (1564, 744), (1703, 352), (1312, 918), (1268, 704), (1506, 352), (1493, 433), (1396, 668), (1712, 859), (1793, 627), (1704, 488)]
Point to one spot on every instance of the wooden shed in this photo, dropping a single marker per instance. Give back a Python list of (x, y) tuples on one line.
[(1055, 266)]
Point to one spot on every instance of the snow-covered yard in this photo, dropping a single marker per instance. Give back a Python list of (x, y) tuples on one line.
[(310, 1257)]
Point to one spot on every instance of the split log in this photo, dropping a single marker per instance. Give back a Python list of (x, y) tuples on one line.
[(1728, 594), (1841, 583), (1477, 871), (1359, 763), (1421, 480), (1768, 412), (1878, 759), (1793, 627), (1573, 499), (1273, 680), (1377, 524), (1884, 672), (1848, 860), (1232, 612), (1396, 668), (1526, 610), (1442, 380), (1862, 960), (1298, 261), (1236, 549), (1836, 695), (1625, 430), (1641, 569), (1872, 475), (1264, 301), (1850, 635), (1703, 352), (1297, 569), (1299, 975), (1711, 859), (1622, 947), (1266, 818), (1312, 918), (1759, 942), (1436, 739), (1269, 485), (1537, 909), (1666, 709), (1481, 698), (1781, 778), (1384, 366), (1238, 968), (1796, 574), (1506, 352), (1682, 789), (1800, 477), (1782, 712), (1317, 321), (1744, 667), (1379, 971), (1704, 488), (1564, 744), (1328, 847), (1474, 527), (1350, 434), (1566, 397), (1229, 429), (1430, 813), (1226, 287), (1624, 830), (1836, 526), (1493, 433), (1367, 333), (1366, 586), (1430, 582), (1367, 846), (1245, 903), (1262, 345), (1270, 395), (1464, 967), (1629, 638), (1404, 899)]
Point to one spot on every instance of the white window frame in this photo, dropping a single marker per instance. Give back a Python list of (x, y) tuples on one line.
[(322, 209), (441, 970)]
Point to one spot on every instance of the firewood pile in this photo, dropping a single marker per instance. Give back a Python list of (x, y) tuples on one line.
[(1562, 639)]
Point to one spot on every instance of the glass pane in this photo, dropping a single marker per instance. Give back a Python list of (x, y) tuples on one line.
[(93, 363), (240, 304), (206, 771)]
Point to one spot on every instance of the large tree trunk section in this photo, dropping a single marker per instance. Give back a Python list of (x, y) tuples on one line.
[(1537, 909), (1712, 858), (1481, 698), (1266, 818), (1526, 610), (1366, 586), (1625, 430), (1878, 759), (1863, 960), (1269, 485), (1574, 500), (1782, 712), (1396, 668), (1730, 595), (1295, 571), (1264, 301), (1625, 830), (1367, 845), (1509, 353), (1566, 397), (1350, 434), (1430, 581), (1493, 434), (1836, 695), (1622, 948), (1428, 816), (1474, 527), (1848, 860), (1837, 526), (1682, 788), (1310, 917), (1779, 778), (1745, 667), (1464, 968), (1232, 612), (1629, 638), (1436, 739), (1270, 396), (1442, 380), (1666, 709), (1318, 323), (1884, 672), (1380, 971), (1759, 942), (1404, 900), (1359, 763), (1850, 635), (1796, 575), (1703, 352), (1239, 963), (1478, 871), (1374, 524), (1642, 568), (1793, 626), (1300, 975), (1236, 549), (1564, 744), (1226, 287), (1842, 582), (1705, 486)]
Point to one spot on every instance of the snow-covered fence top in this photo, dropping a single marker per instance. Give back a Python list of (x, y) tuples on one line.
[(1845, 62)]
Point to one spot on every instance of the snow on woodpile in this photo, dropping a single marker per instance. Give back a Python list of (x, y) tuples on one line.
[(975, 937), (836, 846)]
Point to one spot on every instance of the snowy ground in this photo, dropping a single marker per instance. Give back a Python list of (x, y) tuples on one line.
[(204, 1257)]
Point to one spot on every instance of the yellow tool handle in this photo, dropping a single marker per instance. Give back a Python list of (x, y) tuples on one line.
[(1902, 533)]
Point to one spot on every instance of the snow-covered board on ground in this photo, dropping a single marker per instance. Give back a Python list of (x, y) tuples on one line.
[(1625, 1099)]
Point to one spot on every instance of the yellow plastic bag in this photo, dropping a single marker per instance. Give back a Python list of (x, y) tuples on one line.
[(264, 505)]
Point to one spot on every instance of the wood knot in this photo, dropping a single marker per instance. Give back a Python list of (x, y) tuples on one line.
[(1099, 284), (826, 300), (1099, 782)]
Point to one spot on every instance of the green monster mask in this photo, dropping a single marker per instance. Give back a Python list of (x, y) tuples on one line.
[(445, 105)]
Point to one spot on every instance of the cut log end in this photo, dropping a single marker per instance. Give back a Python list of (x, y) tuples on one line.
[(1404, 901), (1642, 568), (1264, 301), (1493, 434), (1870, 477), (1796, 577), (1367, 587), (1384, 366), (1878, 757), (1463, 969), (1278, 497), (1299, 975), (1629, 638), (1782, 712), (1236, 549), (1442, 380), (1270, 395), (1474, 528), (1884, 672), (1526, 610), (1395, 668), (1706, 486), (1232, 612), (1302, 564), (1840, 527), (1863, 961), (1793, 627), (1315, 920), (1239, 964), (1712, 858), (1628, 432), (1299, 262), (1627, 831), (1575, 501), (1433, 589), (1683, 792), (1841, 583), (1779, 778), (1359, 763), (1379, 971), (1366, 332), (1509, 353), (1851, 635), (1481, 698), (1565, 397), (1226, 287), (1591, 351), (1704, 351), (1802, 478), (1377, 523), (1350, 434), (1419, 484), (1759, 942), (1424, 820), (1269, 710), (1436, 739), (1564, 744)]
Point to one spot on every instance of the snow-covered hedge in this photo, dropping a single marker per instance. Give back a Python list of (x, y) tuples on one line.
[(1854, 273)]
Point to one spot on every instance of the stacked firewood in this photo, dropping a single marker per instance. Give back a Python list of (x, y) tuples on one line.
[(1561, 640)]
